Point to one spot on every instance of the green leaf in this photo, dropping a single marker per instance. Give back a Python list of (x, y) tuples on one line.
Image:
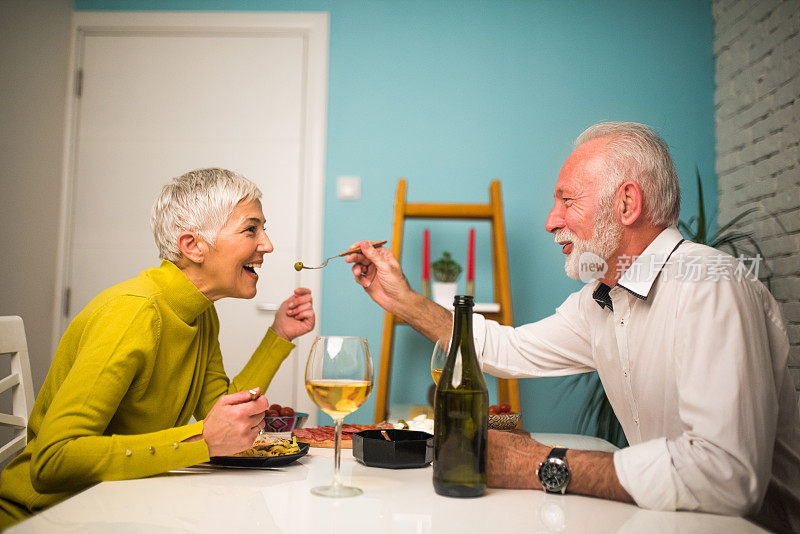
[(686, 230), (755, 246), (701, 209), (736, 219), (730, 239), (702, 234)]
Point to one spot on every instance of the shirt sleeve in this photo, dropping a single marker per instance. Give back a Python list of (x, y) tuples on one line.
[(71, 450), (728, 406), (555, 346), (257, 372)]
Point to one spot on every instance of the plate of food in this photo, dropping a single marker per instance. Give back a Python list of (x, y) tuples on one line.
[(265, 452)]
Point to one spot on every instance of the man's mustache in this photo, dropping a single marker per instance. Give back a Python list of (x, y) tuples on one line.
[(564, 235)]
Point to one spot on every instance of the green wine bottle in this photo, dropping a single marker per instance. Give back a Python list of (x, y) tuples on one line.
[(461, 414)]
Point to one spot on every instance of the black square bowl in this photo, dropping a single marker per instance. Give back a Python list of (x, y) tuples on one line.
[(407, 448)]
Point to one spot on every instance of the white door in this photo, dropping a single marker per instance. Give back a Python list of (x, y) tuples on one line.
[(157, 102)]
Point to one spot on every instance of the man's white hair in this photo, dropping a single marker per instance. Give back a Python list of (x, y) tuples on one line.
[(635, 152), (199, 201)]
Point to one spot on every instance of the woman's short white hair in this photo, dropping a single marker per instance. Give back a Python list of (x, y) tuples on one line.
[(199, 201), (635, 152)]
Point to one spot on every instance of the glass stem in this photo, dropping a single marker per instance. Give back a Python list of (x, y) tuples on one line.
[(337, 451)]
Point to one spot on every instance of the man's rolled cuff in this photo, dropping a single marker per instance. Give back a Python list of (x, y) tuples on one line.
[(647, 474)]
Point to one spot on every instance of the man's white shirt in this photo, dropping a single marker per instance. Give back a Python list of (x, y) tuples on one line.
[(692, 353)]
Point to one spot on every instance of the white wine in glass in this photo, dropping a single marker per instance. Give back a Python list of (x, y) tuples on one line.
[(435, 374), (338, 380), (338, 397), (440, 350)]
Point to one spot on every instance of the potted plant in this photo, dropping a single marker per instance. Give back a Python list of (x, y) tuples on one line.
[(699, 229), (445, 274)]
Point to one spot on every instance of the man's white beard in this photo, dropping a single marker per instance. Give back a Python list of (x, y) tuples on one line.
[(605, 240)]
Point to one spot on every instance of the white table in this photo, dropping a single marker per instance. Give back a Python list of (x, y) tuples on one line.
[(397, 501)]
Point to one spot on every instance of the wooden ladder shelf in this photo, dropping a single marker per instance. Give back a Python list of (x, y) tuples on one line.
[(507, 389)]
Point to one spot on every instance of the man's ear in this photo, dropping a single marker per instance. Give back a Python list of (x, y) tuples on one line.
[(629, 202), (192, 247)]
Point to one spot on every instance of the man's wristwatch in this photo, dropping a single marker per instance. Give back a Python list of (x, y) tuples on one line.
[(553, 472)]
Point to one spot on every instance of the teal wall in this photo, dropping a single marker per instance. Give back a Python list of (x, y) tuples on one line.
[(451, 94)]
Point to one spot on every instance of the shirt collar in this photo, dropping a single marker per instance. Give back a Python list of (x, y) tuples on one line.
[(642, 271)]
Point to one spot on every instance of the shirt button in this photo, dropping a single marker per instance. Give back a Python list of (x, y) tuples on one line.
[(175, 445), (128, 452), (636, 420), (152, 450), (625, 374)]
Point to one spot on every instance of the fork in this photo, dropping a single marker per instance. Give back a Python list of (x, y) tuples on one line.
[(299, 265)]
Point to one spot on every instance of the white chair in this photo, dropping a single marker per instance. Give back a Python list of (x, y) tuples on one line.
[(13, 344)]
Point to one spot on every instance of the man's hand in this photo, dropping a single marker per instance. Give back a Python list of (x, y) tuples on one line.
[(380, 274), (512, 460), (233, 423), (295, 316)]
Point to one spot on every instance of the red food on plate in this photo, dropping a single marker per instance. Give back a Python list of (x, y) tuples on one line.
[(323, 436)]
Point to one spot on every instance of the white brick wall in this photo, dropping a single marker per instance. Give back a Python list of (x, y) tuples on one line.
[(757, 50)]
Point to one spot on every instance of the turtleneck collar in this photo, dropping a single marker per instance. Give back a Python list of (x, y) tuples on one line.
[(179, 292)]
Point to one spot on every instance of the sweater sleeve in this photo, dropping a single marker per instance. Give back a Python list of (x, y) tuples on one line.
[(258, 372), (265, 362), (72, 450)]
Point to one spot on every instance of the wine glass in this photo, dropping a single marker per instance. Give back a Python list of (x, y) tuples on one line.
[(440, 351), (338, 380)]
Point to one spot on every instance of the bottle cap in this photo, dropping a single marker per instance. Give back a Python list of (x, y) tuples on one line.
[(463, 300)]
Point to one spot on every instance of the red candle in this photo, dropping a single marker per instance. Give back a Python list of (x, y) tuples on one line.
[(426, 255), (471, 256)]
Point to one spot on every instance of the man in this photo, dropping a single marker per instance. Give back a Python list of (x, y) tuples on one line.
[(690, 347)]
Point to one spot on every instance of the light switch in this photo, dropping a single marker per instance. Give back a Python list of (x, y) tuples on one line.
[(348, 188)]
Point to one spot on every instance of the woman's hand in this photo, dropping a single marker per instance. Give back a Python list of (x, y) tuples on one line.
[(233, 423), (295, 316)]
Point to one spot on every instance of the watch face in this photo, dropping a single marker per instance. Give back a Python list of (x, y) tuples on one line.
[(553, 475)]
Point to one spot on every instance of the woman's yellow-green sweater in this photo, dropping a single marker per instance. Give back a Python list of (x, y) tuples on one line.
[(129, 373)]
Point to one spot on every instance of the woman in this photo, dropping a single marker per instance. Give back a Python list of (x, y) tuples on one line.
[(143, 357)]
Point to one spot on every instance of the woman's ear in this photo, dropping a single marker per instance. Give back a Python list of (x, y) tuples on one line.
[(629, 202), (191, 246)]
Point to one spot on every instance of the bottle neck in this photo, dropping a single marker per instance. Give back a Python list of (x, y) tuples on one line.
[(462, 323), (463, 369)]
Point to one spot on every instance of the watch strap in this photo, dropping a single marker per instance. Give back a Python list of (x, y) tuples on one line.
[(558, 452)]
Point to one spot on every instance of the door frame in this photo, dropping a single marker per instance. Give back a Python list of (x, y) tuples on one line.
[(313, 28)]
